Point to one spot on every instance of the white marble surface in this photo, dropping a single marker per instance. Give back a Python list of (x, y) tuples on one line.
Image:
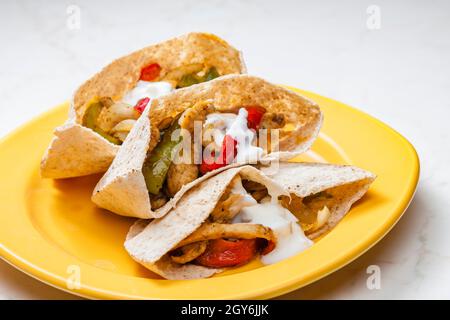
[(399, 73)]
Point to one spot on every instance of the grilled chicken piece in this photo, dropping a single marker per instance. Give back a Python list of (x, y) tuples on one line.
[(179, 175), (157, 201), (211, 231), (189, 252), (272, 120), (197, 112), (226, 210), (112, 113)]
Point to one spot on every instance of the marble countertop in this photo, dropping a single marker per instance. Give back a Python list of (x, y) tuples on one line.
[(389, 59)]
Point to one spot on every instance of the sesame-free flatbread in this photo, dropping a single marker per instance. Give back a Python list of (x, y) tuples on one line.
[(76, 150), (149, 242), (123, 190)]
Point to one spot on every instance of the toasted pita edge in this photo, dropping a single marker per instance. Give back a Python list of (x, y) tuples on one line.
[(66, 155), (165, 267), (121, 75), (122, 189), (233, 91), (148, 243)]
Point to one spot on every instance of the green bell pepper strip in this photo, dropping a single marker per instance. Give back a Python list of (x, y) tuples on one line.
[(211, 74), (191, 79), (158, 162), (90, 121)]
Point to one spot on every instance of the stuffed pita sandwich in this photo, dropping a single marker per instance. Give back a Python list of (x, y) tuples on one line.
[(106, 107), (193, 133), (241, 214)]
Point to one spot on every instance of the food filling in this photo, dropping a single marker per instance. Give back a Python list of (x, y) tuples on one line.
[(113, 119), (247, 222), (236, 128), (226, 138)]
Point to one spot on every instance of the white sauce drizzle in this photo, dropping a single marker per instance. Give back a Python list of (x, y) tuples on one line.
[(290, 236), (147, 89), (236, 127)]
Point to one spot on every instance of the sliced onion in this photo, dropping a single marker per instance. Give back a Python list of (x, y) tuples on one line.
[(124, 126)]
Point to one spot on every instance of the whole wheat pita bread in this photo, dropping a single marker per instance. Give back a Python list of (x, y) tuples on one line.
[(76, 150), (123, 190), (148, 243), (348, 183), (234, 91)]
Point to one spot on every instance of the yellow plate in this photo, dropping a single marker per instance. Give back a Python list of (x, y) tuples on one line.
[(51, 230)]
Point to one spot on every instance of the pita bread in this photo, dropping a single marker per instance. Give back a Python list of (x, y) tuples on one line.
[(149, 243), (347, 184), (234, 91), (76, 150), (123, 190)]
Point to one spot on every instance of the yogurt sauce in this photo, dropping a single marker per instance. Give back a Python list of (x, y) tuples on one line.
[(236, 127), (147, 89), (290, 236)]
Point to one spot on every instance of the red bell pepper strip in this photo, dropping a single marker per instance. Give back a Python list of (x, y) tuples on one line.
[(255, 114), (226, 156), (141, 105), (225, 253), (268, 246), (229, 149), (209, 163), (150, 72)]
